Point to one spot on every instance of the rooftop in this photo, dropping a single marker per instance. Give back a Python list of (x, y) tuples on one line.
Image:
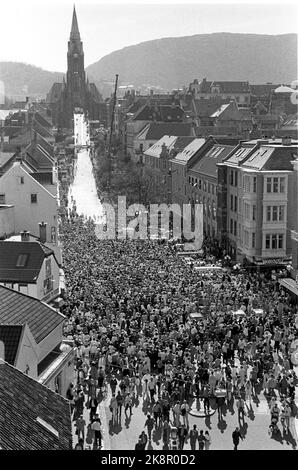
[(207, 163), (17, 309), (187, 152), (22, 261), (156, 130), (32, 417)]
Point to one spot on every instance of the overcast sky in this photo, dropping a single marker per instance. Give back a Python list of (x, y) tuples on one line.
[(37, 32)]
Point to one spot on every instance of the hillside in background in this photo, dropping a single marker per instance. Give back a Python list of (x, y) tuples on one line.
[(172, 62), (21, 80)]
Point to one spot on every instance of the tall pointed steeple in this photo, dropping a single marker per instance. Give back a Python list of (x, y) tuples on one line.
[(75, 33)]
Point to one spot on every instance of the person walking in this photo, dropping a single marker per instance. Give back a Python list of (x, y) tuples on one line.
[(149, 423), (71, 397), (113, 408), (193, 437), (128, 404), (240, 406), (80, 425), (182, 433), (120, 401), (184, 413), (201, 440), (93, 403), (96, 427), (236, 436), (207, 440)]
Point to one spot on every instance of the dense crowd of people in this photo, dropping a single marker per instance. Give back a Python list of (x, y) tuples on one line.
[(132, 310)]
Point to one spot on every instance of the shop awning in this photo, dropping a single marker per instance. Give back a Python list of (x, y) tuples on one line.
[(289, 284)]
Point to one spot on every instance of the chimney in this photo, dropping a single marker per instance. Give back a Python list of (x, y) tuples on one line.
[(42, 232), (286, 140), (25, 236)]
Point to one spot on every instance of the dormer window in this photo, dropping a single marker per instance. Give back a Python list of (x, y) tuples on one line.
[(22, 260)]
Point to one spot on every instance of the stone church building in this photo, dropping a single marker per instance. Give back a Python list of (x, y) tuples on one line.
[(76, 91)]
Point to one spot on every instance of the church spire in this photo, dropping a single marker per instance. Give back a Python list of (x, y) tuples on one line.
[(75, 33)]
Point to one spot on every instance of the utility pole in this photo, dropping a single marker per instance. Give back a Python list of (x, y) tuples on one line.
[(111, 132)]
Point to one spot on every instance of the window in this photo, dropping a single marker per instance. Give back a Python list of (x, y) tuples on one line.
[(235, 203), (209, 188), (267, 242), (246, 210), (253, 240), (274, 241), (231, 226), (246, 183), (33, 198), (281, 213), (48, 285), (22, 260), (236, 178), (212, 188), (276, 185), (235, 228), (231, 202), (269, 183), (282, 185), (246, 238), (275, 213), (254, 184), (204, 186), (254, 210), (200, 184), (232, 178), (2, 198)]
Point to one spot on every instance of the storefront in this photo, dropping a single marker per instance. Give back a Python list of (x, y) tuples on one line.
[(291, 286)]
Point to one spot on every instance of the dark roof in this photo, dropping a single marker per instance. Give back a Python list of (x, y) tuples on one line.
[(156, 130), (10, 335), (38, 157), (18, 309), (206, 107), (42, 130), (207, 163), (163, 113), (263, 89), (272, 158), (225, 86), (22, 402), (9, 254), (42, 120)]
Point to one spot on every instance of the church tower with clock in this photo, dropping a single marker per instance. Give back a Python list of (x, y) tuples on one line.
[(75, 77), (75, 92)]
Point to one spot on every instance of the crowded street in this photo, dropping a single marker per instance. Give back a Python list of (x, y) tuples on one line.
[(167, 347), (82, 193)]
